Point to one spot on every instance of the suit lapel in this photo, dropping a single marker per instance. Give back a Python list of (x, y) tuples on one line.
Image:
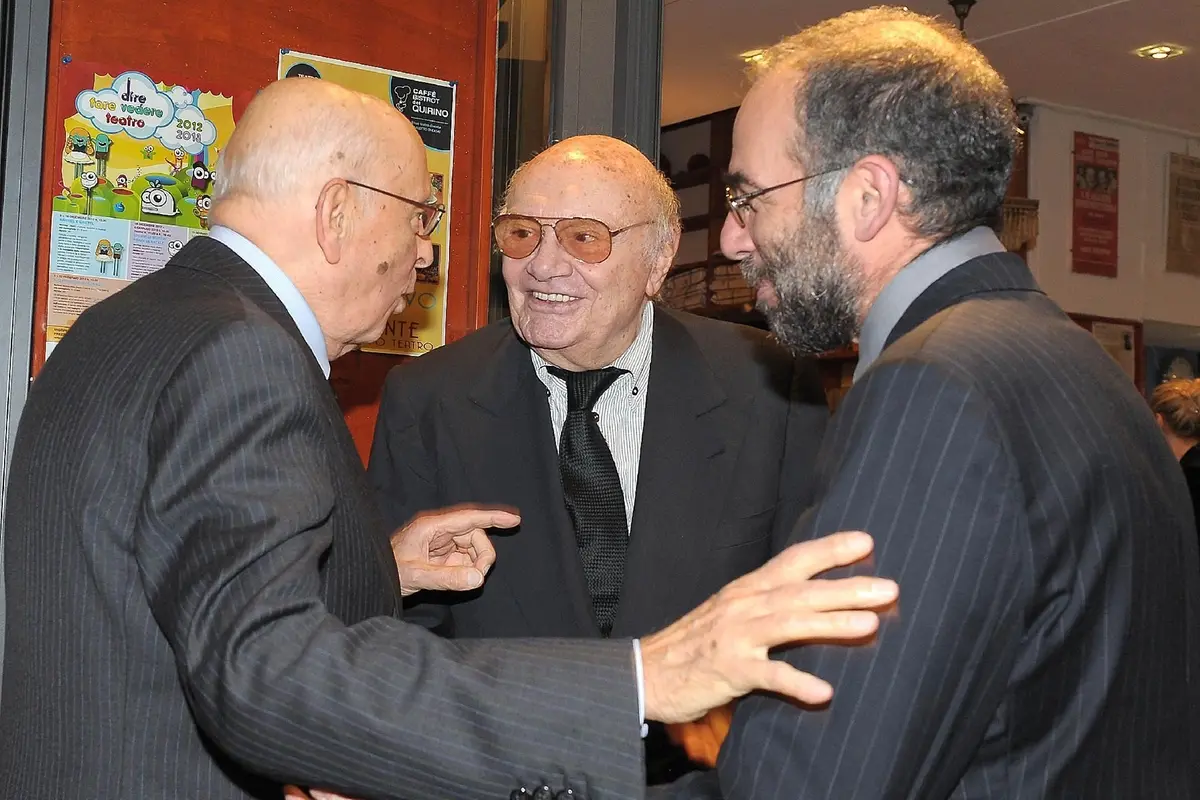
[(507, 446), (690, 443), (995, 272)]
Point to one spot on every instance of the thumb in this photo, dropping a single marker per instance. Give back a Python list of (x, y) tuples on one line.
[(459, 578)]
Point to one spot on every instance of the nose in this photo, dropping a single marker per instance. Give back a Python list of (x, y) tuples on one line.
[(424, 253), (736, 242), (549, 260)]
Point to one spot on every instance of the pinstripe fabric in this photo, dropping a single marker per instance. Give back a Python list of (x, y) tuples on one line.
[(1046, 643), (200, 591)]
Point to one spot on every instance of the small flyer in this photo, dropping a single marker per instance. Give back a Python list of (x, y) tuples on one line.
[(138, 161), (429, 104)]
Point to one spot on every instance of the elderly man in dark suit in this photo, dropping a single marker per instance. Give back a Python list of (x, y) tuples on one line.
[(700, 435), (203, 601), (1049, 646)]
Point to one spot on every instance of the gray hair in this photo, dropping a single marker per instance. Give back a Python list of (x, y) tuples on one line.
[(920, 95)]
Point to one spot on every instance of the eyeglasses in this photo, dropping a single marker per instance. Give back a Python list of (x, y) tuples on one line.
[(739, 204), (585, 239), (431, 213)]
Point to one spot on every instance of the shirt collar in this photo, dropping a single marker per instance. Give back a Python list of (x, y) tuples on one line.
[(911, 282), (279, 283), (635, 360)]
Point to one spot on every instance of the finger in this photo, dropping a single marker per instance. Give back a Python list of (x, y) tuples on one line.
[(831, 595), (782, 678), (806, 559), (462, 520), (295, 793), (317, 794), (806, 626), (432, 577), (481, 549)]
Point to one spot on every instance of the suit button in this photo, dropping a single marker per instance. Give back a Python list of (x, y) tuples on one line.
[(519, 794), (566, 794), (543, 793)]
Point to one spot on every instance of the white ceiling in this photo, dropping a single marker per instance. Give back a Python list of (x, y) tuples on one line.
[(1072, 52)]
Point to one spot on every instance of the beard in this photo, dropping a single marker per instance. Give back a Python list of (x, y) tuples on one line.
[(818, 285)]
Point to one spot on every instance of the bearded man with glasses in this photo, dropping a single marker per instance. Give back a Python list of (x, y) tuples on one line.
[(653, 455)]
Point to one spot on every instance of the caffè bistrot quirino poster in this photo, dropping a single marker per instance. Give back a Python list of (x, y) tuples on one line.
[(429, 104)]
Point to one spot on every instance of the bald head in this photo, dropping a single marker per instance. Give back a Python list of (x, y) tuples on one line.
[(616, 162), (298, 133)]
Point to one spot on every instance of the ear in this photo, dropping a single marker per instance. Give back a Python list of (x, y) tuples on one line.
[(333, 219), (874, 185), (662, 265)]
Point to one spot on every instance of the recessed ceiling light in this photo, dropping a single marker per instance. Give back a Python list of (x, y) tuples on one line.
[(1159, 52), (752, 56)]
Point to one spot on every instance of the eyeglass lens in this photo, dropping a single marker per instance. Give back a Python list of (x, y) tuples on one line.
[(734, 208), (430, 217), (588, 240)]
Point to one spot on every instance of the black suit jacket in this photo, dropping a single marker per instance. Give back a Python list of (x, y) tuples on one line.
[(200, 591), (1191, 473), (727, 415), (1047, 640)]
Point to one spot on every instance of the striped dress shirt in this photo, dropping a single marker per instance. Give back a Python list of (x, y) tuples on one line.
[(622, 407)]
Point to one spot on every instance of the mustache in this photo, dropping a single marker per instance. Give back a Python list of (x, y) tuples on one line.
[(754, 270)]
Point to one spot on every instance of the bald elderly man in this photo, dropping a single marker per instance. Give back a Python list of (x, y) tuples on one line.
[(203, 601), (684, 468)]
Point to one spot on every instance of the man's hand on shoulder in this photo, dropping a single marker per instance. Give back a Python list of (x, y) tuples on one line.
[(448, 549), (720, 651)]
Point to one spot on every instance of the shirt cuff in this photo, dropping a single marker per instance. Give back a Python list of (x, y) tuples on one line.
[(641, 686)]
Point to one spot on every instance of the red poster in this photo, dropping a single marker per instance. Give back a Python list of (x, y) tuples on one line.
[(1094, 223)]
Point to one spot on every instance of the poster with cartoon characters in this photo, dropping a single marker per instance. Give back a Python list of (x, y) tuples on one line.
[(138, 161), (429, 104)]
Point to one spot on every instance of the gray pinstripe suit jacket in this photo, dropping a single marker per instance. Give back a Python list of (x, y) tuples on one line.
[(202, 602), (1047, 641)]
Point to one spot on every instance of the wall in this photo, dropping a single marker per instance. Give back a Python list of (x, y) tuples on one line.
[(1142, 289), (233, 47)]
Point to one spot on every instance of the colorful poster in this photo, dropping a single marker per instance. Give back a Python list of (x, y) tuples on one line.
[(138, 161), (1183, 215), (429, 104), (1095, 220)]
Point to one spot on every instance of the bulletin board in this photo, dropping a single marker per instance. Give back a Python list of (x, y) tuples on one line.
[(231, 50), (1123, 339)]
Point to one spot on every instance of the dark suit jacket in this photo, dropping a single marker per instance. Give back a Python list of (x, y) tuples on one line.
[(727, 413), (200, 589), (1047, 641), (1191, 473)]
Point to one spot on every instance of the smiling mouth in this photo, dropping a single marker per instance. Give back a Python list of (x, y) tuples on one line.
[(553, 298)]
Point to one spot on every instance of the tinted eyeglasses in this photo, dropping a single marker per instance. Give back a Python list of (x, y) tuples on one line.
[(431, 213), (585, 239), (739, 204)]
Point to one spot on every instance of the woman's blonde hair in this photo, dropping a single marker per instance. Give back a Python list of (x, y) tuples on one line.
[(1178, 402)]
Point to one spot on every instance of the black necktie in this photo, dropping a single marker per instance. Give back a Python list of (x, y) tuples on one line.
[(592, 489)]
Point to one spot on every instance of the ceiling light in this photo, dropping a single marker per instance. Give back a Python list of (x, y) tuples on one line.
[(1159, 52), (752, 56)]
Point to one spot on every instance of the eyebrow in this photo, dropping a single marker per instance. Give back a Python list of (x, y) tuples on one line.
[(739, 180)]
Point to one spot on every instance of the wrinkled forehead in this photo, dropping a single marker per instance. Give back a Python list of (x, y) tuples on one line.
[(578, 187)]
